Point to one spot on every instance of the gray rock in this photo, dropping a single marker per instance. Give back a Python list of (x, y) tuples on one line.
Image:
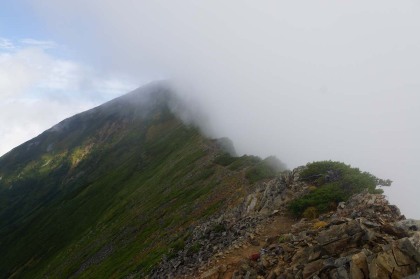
[(411, 246), (413, 276), (408, 224)]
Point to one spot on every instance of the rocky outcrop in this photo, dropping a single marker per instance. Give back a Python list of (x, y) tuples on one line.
[(365, 237), (232, 228)]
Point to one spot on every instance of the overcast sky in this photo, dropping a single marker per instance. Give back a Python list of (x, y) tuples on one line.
[(302, 80)]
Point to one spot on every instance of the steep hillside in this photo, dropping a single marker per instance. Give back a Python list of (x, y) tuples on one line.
[(127, 190), (106, 193), (361, 237)]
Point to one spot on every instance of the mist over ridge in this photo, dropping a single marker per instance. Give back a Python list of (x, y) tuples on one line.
[(304, 82)]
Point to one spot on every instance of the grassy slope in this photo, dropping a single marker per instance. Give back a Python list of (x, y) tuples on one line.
[(113, 196)]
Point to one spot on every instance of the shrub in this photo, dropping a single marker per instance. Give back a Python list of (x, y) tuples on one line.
[(224, 159), (319, 225), (244, 161), (310, 213), (335, 182), (267, 168), (312, 188), (259, 172), (320, 199)]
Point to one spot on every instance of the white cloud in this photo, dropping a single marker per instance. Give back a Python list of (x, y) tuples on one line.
[(18, 71), (39, 43), (6, 44), (22, 119), (37, 90)]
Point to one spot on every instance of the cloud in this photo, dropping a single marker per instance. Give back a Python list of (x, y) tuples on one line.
[(6, 44), (37, 90), (301, 80), (39, 43), (22, 119)]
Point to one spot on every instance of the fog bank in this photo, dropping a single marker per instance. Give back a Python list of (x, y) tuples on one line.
[(305, 81)]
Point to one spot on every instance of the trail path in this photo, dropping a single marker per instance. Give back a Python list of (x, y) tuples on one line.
[(224, 265)]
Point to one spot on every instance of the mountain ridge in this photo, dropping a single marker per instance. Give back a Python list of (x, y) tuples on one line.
[(70, 182), (128, 190)]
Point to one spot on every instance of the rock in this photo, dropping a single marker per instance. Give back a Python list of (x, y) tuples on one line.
[(312, 268), (359, 268), (375, 271), (411, 246), (408, 225), (254, 242), (316, 254), (275, 212), (337, 247), (387, 266), (394, 230), (265, 262), (211, 274), (365, 238), (223, 268), (413, 276), (371, 224), (401, 258), (342, 273), (175, 263)]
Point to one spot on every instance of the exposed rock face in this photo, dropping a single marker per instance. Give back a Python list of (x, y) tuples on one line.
[(365, 237)]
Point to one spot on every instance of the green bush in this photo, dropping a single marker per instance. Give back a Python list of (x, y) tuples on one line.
[(224, 159), (335, 182), (259, 172), (267, 168), (244, 161)]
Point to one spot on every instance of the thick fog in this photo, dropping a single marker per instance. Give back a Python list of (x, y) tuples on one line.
[(302, 80)]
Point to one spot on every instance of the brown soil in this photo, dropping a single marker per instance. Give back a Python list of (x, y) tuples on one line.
[(234, 256)]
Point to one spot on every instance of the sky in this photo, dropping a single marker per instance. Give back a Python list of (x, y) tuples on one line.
[(301, 80)]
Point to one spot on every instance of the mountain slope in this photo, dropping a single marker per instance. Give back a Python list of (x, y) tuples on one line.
[(127, 190), (109, 191)]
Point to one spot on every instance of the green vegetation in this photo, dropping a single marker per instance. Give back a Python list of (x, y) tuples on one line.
[(104, 194), (268, 168), (334, 182), (194, 249), (284, 238), (259, 172), (310, 212), (256, 169), (225, 159)]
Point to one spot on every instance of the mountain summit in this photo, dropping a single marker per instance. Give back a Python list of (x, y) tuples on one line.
[(127, 190), (108, 190)]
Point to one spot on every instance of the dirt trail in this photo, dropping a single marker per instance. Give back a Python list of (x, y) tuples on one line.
[(232, 257)]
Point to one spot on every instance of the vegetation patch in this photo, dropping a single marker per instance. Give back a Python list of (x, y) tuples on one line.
[(225, 159), (320, 225), (284, 238), (244, 161), (334, 182)]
